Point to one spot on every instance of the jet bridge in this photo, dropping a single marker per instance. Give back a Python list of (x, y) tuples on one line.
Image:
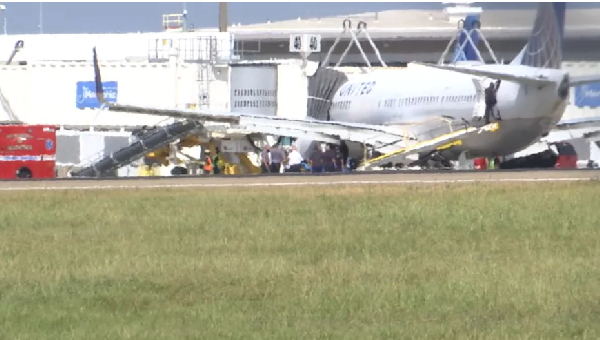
[(323, 85), (146, 143)]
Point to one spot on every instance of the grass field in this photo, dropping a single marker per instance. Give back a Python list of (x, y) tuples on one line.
[(510, 261)]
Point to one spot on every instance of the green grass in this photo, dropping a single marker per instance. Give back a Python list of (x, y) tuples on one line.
[(510, 261)]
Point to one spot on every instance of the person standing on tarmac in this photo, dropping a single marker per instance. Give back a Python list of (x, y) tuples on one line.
[(265, 162), (276, 159), (316, 160), (208, 163), (329, 159), (294, 160), (496, 162), (215, 161), (345, 153), (491, 101)]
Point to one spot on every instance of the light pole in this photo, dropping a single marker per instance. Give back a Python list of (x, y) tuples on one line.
[(223, 18)]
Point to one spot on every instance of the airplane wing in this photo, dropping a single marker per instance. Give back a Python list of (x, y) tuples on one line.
[(574, 128), (583, 80), (494, 75), (376, 135), (573, 80)]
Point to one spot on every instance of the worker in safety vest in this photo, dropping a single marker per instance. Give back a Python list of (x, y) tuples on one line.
[(215, 162), (494, 162), (208, 163)]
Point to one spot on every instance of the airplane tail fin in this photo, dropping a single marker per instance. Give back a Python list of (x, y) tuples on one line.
[(544, 47), (98, 79), (468, 52)]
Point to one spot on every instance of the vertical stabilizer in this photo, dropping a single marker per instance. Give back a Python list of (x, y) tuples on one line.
[(544, 47), (468, 52)]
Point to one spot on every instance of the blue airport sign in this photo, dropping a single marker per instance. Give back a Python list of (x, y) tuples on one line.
[(587, 95), (86, 94)]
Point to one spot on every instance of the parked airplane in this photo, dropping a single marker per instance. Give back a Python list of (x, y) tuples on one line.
[(379, 109), (588, 128)]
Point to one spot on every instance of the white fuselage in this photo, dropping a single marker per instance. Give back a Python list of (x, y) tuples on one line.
[(415, 94)]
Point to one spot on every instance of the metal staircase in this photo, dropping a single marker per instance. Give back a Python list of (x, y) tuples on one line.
[(204, 68), (146, 143), (12, 117), (439, 143)]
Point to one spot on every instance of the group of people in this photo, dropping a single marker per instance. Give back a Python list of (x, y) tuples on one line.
[(330, 159)]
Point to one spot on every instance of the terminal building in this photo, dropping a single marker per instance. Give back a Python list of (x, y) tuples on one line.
[(49, 79)]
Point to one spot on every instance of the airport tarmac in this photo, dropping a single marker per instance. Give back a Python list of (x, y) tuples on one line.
[(305, 180)]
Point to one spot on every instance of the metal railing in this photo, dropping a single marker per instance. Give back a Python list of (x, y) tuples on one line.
[(347, 28), (468, 40)]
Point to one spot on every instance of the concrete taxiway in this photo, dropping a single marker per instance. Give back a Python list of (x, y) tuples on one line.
[(305, 180)]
